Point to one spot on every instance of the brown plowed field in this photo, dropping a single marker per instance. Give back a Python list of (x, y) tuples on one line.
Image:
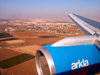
[(29, 49), (15, 41), (7, 53), (33, 37), (26, 68)]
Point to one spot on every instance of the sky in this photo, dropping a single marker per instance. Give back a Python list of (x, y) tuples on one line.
[(48, 9)]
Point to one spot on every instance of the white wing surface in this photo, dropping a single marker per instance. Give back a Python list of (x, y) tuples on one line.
[(88, 26)]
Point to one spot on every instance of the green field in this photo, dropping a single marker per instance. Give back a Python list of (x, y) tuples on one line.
[(47, 36), (15, 60), (4, 35), (9, 39)]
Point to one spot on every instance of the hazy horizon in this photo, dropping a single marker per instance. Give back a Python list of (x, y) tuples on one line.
[(49, 9)]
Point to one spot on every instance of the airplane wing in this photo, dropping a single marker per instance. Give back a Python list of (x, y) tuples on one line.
[(88, 26)]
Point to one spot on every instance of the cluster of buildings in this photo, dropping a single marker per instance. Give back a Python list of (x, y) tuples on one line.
[(45, 26), (59, 29)]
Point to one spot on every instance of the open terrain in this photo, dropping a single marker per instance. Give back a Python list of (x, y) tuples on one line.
[(24, 68), (15, 60), (15, 41), (27, 41), (36, 37), (7, 53), (28, 49)]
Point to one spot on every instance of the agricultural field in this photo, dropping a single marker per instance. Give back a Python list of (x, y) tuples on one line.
[(8, 39), (17, 53), (25, 68), (40, 38), (15, 63), (31, 49), (7, 53), (15, 60), (15, 41), (4, 35)]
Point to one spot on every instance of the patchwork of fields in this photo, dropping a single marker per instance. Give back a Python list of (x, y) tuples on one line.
[(17, 53)]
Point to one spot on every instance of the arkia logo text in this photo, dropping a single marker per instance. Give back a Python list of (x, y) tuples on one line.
[(79, 64)]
